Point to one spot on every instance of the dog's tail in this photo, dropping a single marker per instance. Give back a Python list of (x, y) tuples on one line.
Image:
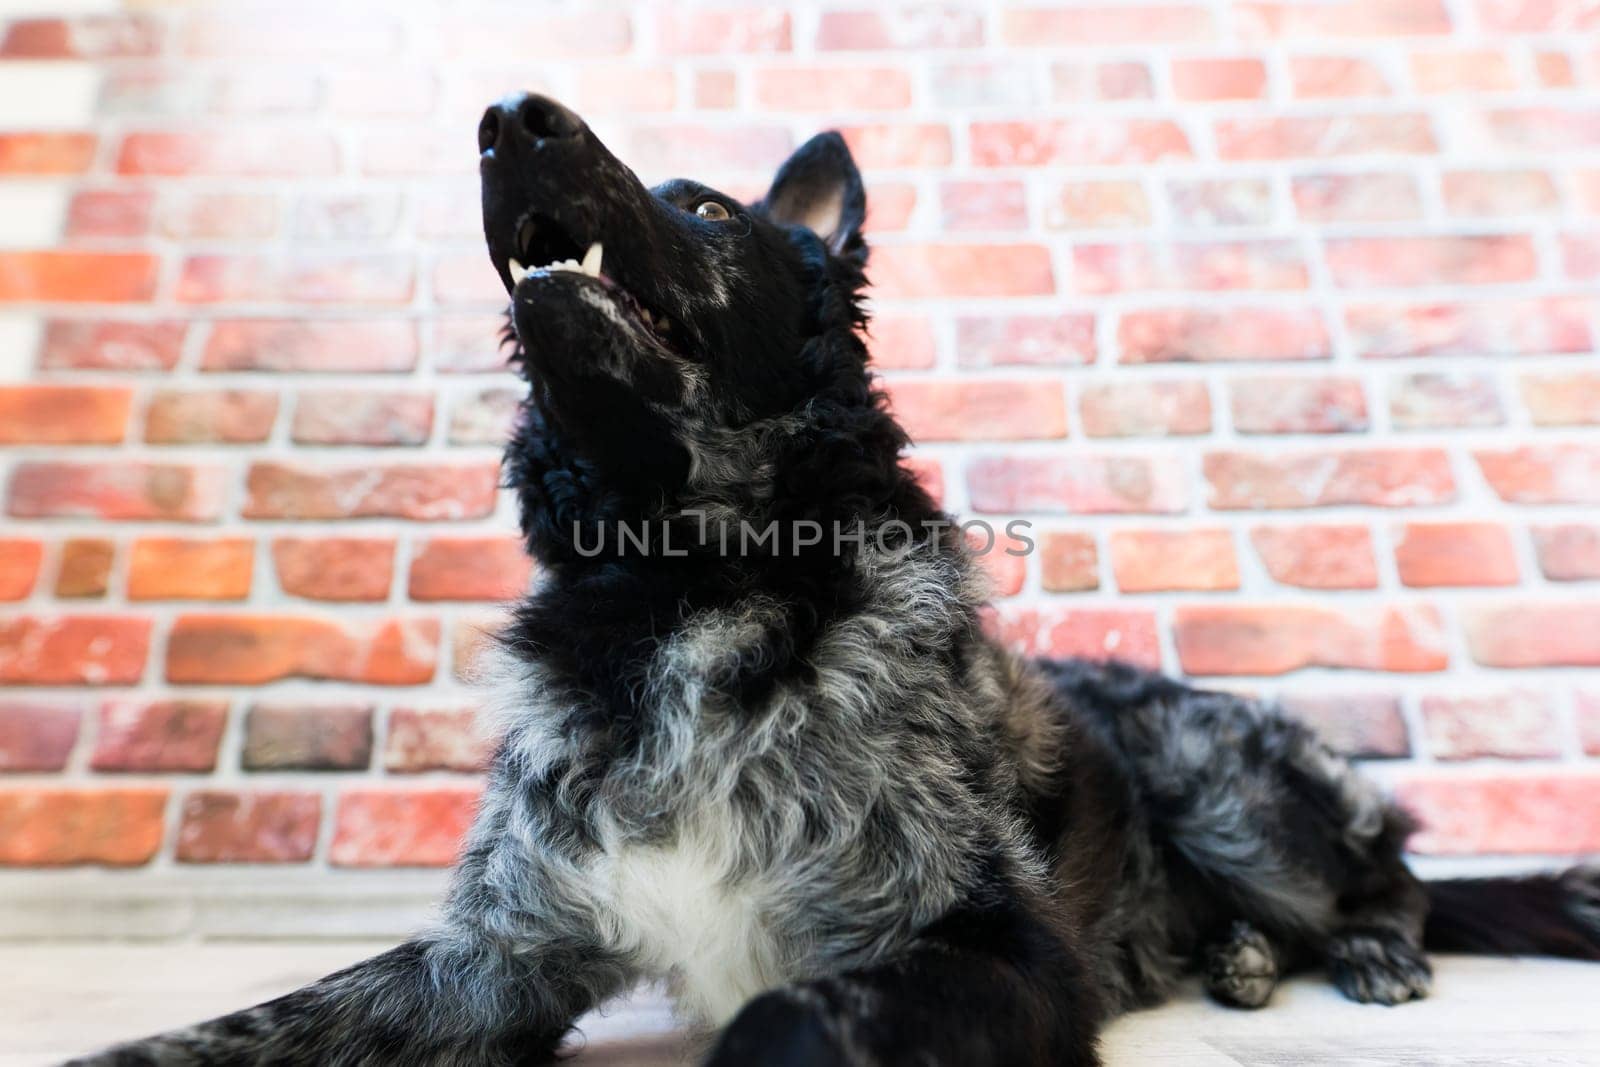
[(398, 1008), (1539, 915)]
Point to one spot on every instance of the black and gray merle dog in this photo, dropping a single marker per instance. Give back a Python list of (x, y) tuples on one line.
[(794, 777)]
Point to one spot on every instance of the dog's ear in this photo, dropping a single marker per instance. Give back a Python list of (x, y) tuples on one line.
[(820, 188)]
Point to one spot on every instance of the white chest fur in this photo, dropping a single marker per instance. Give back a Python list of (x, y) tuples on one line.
[(677, 912)]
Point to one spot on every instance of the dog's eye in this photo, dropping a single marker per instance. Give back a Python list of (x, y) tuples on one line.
[(711, 211)]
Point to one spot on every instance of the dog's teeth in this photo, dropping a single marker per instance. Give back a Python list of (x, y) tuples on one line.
[(591, 260), (663, 324), (518, 272)]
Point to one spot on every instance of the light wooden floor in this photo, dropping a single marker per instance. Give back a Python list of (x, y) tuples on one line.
[(58, 1000)]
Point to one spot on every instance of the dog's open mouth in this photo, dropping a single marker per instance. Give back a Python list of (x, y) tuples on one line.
[(544, 247)]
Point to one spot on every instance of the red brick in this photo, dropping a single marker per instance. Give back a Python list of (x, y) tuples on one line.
[(1543, 474), (73, 650), (1554, 70), (219, 216), (334, 568), (1455, 553), (68, 277), (307, 737), (225, 826), (1505, 192), (1534, 635), (346, 216), (1526, 813), (401, 829), (1510, 724), (1403, 261), (467, 278), (405, 491), (1116, 81), (1068, 562), (1587, 184), (1537, 16), (256, 152), (522, 34), (1317, 557), (19, 567), (308, 279), (1298, 405), (484, 417), (45, 153), (1228, 639), (1569, 552), (699, 31), (1144, 409), (362, 417), (116, 490), (436, 739), (1588, 708), (1092, 633), (920, 26), (1359, 725), (1025, 340), (1483, 70), (983, 205), (362, 346), (97, 213), (66, 827), (1335, 77), (99, 344), (902, 342), (1389, 477), (890, 146), (832, 88), (1539, 130), (265, 33), (1003, 558), (1076, 82), (1077, 142), (947, 270), (1097, 204), (212, 416), (469, 568), (469, 638), (1295, 21), (1221, 202), (716, 89), (85, 567), (1324, 137), (158, 736), (91, 37), (176, 568), (979, 410), (1192, 335), (63, 414), (1077, 484), (1483, 327), (1219, 79), (890, 206), (1149, 561), (256, 649), (1106, 25), (682, 148), (1205, 265), (1430, 401), (36, 736), (1374, 197), (1580, 257)]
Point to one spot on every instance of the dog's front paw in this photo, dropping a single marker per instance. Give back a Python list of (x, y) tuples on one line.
[(1378, 967), (785, 1028)]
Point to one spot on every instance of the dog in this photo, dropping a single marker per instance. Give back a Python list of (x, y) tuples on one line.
[(793, 775)]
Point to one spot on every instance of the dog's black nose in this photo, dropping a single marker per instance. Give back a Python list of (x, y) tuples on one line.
[(525, 119)]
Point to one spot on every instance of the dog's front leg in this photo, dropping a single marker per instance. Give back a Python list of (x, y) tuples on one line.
[(991, 986)]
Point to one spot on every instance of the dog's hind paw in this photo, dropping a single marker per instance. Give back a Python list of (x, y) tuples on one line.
[(1375, 966), (1242, 970)]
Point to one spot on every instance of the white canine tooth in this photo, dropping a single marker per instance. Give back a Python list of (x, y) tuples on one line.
[(591, 260), (518, 272)]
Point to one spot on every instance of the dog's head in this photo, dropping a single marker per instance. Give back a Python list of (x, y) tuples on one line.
[(681, 346)]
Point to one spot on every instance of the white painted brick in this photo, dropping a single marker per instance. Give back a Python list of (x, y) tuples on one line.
[(19, 342), (47, 95), (31, 214)]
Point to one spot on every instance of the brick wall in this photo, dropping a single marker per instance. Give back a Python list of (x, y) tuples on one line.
[(1277, 319)]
